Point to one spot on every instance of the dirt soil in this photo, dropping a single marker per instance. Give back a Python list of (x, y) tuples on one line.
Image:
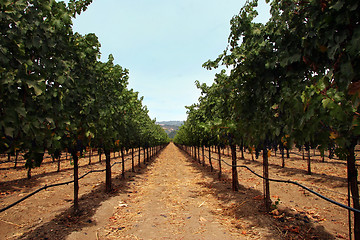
[(298, 212), (174, 197)]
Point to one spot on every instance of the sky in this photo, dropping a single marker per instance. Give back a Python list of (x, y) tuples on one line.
[(163, 44)]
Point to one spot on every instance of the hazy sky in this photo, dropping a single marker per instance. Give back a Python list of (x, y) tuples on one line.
[(163, 44)]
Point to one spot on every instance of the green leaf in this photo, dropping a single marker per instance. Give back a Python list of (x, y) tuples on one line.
[(338, 96), (338, 5), (37, 89), (56, 138), (353, 7), (277, 132), (275, 106), (321, 84), (356, 130), (326, 102), (61, 79), (332, 50), (21, 111), (290, 59), (49, 120), (9, 131), (347, 70), (354, 45)]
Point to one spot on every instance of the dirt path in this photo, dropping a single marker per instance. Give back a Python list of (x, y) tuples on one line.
[(173, 200)]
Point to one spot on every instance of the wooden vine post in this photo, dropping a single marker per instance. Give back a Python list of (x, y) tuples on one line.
[(108, 186), (58, 162), (16, 159), (266, 183), (218, 147), (147, 154), (242, 149), (139, 156), (282, 156), (76, 180), (198, 154), (210, 162), (122, 163), (144, 152), (353, 182), (195, 155), (309, 163), (132, 160), (235, 179), (203, 155)]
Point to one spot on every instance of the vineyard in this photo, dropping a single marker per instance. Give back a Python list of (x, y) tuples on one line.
[(157, 193), (291, 83), (271, 143), (56, 96), (290, 204), (32, 212)]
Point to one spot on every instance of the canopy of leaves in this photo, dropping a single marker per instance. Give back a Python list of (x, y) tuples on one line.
[(293, 77), (55, 94)]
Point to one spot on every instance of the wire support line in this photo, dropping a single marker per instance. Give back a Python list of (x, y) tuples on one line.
[(297, 184), (56, 185), (294, 183), (316, 155), (21, 161), (320, 188)]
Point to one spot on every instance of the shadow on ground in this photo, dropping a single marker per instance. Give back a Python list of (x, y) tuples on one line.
[(246, 210), (66, 222), (292, 172), (36, 180)]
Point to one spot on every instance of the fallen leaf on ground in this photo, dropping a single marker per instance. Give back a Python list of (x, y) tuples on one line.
[(259, 197), (294, 229), (202, 219), (275, 212), (340, 236)]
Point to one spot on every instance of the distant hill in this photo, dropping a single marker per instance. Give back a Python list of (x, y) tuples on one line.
[(170, 127), (171, 123)]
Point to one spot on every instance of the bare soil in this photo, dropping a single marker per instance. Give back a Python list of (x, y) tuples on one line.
[(299, 214), (174, 197)]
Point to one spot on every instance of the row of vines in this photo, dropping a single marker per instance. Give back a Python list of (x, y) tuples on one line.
[(293, 81), (55, 94)]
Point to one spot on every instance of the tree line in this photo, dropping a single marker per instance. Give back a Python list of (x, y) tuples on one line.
[(292, 81), (55, 94)]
